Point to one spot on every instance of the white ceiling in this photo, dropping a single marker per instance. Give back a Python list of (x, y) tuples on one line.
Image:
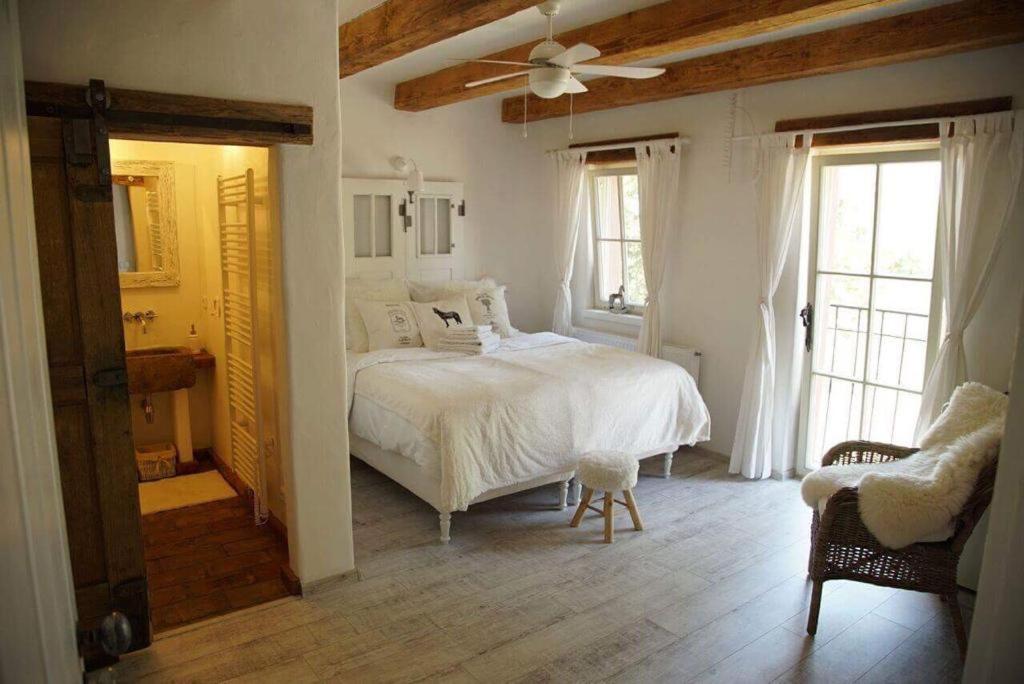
[(529, 25)]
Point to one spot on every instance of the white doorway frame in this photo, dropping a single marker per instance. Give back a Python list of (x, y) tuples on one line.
[(37, 630), (852, 157)]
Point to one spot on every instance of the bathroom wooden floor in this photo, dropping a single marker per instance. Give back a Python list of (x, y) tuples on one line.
[(208, 560)]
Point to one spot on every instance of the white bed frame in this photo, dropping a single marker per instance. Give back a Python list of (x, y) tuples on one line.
[(426, 483), (407, 262)]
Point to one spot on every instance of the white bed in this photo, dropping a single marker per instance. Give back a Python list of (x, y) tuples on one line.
[(456, 429)]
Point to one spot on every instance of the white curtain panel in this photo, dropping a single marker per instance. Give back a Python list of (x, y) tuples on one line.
[(657, 166), (778, 191), (571, 169), (981, 181)]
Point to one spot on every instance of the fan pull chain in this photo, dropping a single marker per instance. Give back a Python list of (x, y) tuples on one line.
[(526, 91), (570, 116)]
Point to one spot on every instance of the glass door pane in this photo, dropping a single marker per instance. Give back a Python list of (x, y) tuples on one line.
[(876, 228)]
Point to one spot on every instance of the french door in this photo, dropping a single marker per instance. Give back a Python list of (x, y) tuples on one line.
[(876, 316)]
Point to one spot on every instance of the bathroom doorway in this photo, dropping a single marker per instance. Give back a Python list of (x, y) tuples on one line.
[(98, 402), (198, 269)]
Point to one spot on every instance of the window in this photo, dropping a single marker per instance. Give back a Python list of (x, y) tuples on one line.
[(872, 265), (615, 214)]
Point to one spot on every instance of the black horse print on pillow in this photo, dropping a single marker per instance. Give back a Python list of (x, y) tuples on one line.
[(448, 316)]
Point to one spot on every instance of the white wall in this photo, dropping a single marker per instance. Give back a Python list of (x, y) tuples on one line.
[(711, 282), (37, 626), (267, 51)]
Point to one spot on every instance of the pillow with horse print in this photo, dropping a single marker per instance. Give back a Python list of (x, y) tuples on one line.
[(437, 318), (486, 300), (390, 325)]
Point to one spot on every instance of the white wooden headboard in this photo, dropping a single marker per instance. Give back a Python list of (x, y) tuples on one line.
[(387, 236)]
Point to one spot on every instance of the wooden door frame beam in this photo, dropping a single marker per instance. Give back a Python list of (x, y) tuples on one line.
[(167, 117), (943, 30)]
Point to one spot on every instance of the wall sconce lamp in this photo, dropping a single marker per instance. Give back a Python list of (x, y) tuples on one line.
[(413, 185)]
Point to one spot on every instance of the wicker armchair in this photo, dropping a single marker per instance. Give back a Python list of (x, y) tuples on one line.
[(843, 548)]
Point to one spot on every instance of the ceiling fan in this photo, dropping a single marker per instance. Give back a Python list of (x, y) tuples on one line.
[(553, 67)]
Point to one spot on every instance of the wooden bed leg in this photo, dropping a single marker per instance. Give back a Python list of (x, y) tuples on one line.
[(667, 472), (577, 490), (446, 527), (563, 495)]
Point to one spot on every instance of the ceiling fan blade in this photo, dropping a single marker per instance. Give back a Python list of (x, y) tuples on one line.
[(491, 61), (620, 71), (575, 86), (580, 52), (492, 79)]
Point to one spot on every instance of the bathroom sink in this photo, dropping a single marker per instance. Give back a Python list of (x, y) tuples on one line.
[(160, 369)]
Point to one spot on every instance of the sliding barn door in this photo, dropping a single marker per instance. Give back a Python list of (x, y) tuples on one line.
[(85, 350)]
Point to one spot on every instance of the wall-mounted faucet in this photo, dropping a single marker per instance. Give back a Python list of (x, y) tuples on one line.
[(140, 317)]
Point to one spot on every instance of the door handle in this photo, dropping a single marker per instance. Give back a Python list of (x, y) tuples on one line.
[(807, 317)]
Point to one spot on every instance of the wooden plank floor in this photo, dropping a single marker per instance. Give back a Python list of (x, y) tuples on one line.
[(714, 589), (209, 560)]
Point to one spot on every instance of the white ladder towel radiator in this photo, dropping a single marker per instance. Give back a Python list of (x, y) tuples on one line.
[(236, 211)]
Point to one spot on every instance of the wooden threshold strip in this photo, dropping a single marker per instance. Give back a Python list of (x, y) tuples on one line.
[(139, 114), (889, 134)]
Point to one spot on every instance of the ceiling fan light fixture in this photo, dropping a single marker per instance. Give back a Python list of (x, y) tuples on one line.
[(549, 82)]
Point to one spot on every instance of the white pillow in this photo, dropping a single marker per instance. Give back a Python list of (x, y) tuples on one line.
[(390, 325), (486, 300), (436, 318), (488, 307), (371, 290), (444, 289)]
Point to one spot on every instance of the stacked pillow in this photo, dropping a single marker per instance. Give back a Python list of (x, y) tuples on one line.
[(367, 290), (389, 314), (486, 300)]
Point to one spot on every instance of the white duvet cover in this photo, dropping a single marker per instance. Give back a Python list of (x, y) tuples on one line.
[(526, 411)]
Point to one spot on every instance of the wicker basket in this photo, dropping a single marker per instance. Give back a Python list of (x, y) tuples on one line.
[(156, 461)]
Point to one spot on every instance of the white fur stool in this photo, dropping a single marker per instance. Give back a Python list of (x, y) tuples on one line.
[(608, 471)]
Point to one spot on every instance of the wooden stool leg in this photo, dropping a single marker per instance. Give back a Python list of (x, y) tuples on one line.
[(634, 512), (958, 623), (812, 614), (582, 508), (609, 518)]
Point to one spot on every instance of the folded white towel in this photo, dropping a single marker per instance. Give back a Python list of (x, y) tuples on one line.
[(469, 330), (453, 338), (479, 347)]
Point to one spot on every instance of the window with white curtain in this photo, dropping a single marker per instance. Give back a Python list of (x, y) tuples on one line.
[(615, 219)]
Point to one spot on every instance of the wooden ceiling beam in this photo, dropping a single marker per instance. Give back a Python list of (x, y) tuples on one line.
[(942, 30), (396, 27), (656, 31)]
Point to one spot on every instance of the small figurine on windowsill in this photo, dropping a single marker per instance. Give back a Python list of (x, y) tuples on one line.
[(620, 298)]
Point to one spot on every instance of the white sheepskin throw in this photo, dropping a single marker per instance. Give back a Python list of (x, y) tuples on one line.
[(913, 498), (609, 471)]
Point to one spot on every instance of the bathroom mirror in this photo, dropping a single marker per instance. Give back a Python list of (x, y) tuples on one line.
[(145, 223)]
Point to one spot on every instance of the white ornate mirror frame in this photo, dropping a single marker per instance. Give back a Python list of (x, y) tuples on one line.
[(164, 171)]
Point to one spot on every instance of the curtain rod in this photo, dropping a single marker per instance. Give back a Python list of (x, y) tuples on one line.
[(682, 140), (857, 127)]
